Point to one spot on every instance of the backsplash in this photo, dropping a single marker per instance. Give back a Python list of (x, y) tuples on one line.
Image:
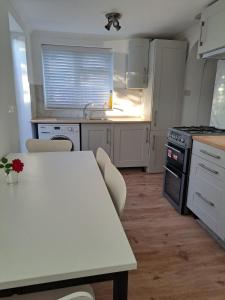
[(218, 106), (129, 101)]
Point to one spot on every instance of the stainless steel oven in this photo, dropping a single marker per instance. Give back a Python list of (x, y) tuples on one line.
[(175, 176)]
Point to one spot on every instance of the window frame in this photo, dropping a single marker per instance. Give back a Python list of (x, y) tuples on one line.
[(79, 48)]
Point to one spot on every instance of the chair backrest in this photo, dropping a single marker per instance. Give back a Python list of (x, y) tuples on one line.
[(116, 187), (38, 145), (78, 296), (102, 159)]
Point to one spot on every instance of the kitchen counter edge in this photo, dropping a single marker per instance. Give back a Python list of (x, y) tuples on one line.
[(217, 141), (88, 121)]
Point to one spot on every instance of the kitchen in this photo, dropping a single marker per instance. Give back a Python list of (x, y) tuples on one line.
[(151, 94)]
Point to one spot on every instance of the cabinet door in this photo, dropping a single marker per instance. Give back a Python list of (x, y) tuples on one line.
[(137, 65), (157, 151), (212, 33), (131, 145), (97, 135), (167, 69)]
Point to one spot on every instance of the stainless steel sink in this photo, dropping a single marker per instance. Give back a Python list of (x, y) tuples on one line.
[(97, 118)]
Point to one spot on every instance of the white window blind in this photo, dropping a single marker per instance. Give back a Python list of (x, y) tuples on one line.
[(75, 76)]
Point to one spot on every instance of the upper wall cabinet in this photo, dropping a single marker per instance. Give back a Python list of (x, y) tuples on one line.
[(137, 64), (212, 33)]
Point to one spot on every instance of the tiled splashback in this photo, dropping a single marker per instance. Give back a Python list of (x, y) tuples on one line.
[(218, 106), (129, 101)]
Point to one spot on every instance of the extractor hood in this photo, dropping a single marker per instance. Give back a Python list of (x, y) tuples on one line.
[(215, 54)]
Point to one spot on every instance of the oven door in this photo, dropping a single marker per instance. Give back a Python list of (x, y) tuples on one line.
[(176, 157), (175, 187)]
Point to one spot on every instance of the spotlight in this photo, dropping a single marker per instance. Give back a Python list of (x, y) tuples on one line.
[(108, 26), (113, 20), (116, 24)]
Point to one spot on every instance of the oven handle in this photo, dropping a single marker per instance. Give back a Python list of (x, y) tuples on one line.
[(172, 148), (175, 175)]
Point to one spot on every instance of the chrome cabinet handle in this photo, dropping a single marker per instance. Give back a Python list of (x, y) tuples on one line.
[(155, 118), (208, 169), (201, 32), (147, 135), (204, 199), (172, 148), (210, 154), (145, 75), (167, 169), (107, 136), (153, 143)]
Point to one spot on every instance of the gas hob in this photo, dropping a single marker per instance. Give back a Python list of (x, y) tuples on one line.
[(182, 136)]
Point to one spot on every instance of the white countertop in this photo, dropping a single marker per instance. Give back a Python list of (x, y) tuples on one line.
[(89, 121), (59, 222)]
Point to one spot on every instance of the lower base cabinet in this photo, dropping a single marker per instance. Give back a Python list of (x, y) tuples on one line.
[(206, 193), (131, 145), (126, 144), (97, 135)]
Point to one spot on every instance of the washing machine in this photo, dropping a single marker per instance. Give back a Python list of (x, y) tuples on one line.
[(69, 132)]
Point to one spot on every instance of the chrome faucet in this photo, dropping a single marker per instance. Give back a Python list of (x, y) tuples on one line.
[(85, 114)]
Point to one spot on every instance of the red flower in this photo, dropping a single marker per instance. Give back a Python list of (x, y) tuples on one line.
[(17, 165)]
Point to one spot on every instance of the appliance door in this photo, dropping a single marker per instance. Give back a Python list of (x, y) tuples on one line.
[(176, 157), (175, 187), (63, 137)]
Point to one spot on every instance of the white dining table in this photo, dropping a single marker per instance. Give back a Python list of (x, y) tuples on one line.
[(59, 228)]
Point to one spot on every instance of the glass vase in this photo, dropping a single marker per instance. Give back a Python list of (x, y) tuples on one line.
[(12, 178)]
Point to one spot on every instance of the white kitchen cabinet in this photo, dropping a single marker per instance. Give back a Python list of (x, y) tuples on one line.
[(164, 95), (97, 135), (137, 64), (206, 191), (166, 82), (131, 145), (212, 33), (157, 151), (120, 50)]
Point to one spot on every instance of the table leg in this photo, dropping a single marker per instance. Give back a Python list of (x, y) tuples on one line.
[(120, 286)]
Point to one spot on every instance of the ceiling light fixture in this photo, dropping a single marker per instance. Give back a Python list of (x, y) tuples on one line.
[(113, 19)]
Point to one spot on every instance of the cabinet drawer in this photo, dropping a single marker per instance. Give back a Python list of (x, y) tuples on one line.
[(206, 196), (209, 153), (211, 172), (201, 203)]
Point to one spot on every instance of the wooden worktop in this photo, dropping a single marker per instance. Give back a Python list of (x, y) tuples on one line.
[(217, 141)]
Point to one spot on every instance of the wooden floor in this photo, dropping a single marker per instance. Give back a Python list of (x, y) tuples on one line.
[(177, 259)]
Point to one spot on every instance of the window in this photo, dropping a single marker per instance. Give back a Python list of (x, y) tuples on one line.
[(75, 76)]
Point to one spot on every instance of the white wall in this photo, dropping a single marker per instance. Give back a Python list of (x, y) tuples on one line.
[(9, 141), (129, 100), (199, 83)]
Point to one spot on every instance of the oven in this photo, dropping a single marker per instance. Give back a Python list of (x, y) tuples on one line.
[(176, 176)]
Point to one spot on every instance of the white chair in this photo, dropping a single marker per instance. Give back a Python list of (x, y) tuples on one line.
[(38, 145), (78, 296), (102, 159), (83, 292), (116, 187)]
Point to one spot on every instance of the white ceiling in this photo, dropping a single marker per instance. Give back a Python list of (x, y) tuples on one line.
[(140, 17)]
